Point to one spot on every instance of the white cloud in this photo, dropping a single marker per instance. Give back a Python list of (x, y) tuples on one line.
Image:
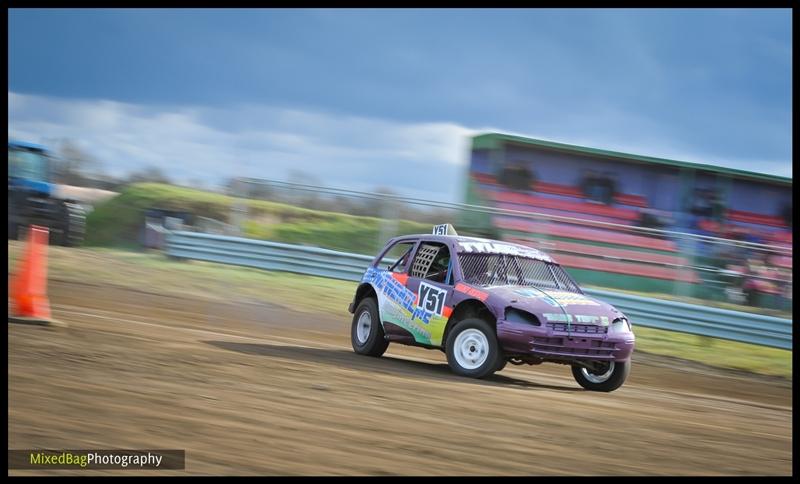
[(211, 144), (424, 160)]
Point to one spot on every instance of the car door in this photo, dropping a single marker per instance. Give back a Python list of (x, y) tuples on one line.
[(430, 278), (388, 276)]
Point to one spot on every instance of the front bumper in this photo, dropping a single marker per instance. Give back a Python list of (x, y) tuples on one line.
[(555, 343)]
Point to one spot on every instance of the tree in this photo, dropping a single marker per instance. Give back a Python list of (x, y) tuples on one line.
[(150, 174), (301, 177), (74, 166), (260, 191), (303, 196)]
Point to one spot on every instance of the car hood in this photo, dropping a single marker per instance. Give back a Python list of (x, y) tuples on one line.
[(552, 304)]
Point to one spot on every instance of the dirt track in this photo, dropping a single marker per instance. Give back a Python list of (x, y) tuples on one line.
[(255, 389)]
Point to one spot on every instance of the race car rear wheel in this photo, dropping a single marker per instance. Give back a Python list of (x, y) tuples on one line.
[(472, 349), (607, 377), (366, 332)]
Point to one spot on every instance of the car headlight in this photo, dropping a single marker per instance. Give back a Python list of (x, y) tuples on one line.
[(515, 315), (620, 325)]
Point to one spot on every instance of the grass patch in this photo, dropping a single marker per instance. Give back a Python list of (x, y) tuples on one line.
[(356, 235), (119, 220), (715, 352), (153, 272)]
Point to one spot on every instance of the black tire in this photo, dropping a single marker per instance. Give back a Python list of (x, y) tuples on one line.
[(12, 231), (502, 364), (375, 343), (618, 376), (492, 348), (72, 224)]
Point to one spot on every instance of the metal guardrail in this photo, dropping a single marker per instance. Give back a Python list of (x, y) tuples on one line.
[(272, 256), (701, 320), (643, 311)]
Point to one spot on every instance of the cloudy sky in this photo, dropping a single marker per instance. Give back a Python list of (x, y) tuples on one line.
[(365, 98)]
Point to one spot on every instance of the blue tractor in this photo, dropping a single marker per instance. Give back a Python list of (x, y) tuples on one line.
[(32, 199)]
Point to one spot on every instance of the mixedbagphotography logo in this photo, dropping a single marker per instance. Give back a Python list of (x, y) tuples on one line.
[(97, 459)]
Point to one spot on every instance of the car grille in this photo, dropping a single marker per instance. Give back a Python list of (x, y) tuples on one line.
[(560, 347), (578, 328)]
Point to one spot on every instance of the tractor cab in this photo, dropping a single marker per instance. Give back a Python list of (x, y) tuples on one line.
[(29, 168), (32, 199)]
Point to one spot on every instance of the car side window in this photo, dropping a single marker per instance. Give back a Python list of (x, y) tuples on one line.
[(396, 258), (432, 263)]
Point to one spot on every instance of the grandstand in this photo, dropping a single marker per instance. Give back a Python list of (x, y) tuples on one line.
[(616, 219)]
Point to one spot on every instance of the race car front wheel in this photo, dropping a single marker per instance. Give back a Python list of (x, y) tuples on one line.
[(605, 377), (366, 332), (472, 349)]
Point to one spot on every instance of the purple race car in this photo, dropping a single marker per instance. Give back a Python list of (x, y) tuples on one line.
[(485, 303)]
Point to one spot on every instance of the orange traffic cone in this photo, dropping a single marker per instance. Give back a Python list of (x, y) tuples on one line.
[(28, 286)]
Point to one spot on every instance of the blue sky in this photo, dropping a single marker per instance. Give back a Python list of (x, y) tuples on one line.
[(356, 95)]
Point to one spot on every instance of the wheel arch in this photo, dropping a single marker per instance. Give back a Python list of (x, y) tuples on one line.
[(364, 290), (469, 308)]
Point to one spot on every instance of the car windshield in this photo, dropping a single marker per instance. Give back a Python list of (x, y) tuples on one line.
[(502, 269)]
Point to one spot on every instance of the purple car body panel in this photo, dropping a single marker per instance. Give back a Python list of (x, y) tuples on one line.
[(567, 325)]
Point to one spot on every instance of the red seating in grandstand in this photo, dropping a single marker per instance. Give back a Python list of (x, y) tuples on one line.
[(629, 268), (737, 231), (484, 178), (577, 207), (568, 201), (634, 200), (583, 233), (755, 218), (781, 261), (566, 190), (710, 226), (556, 189), (576, 218), (560, 246), (782, 237)]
